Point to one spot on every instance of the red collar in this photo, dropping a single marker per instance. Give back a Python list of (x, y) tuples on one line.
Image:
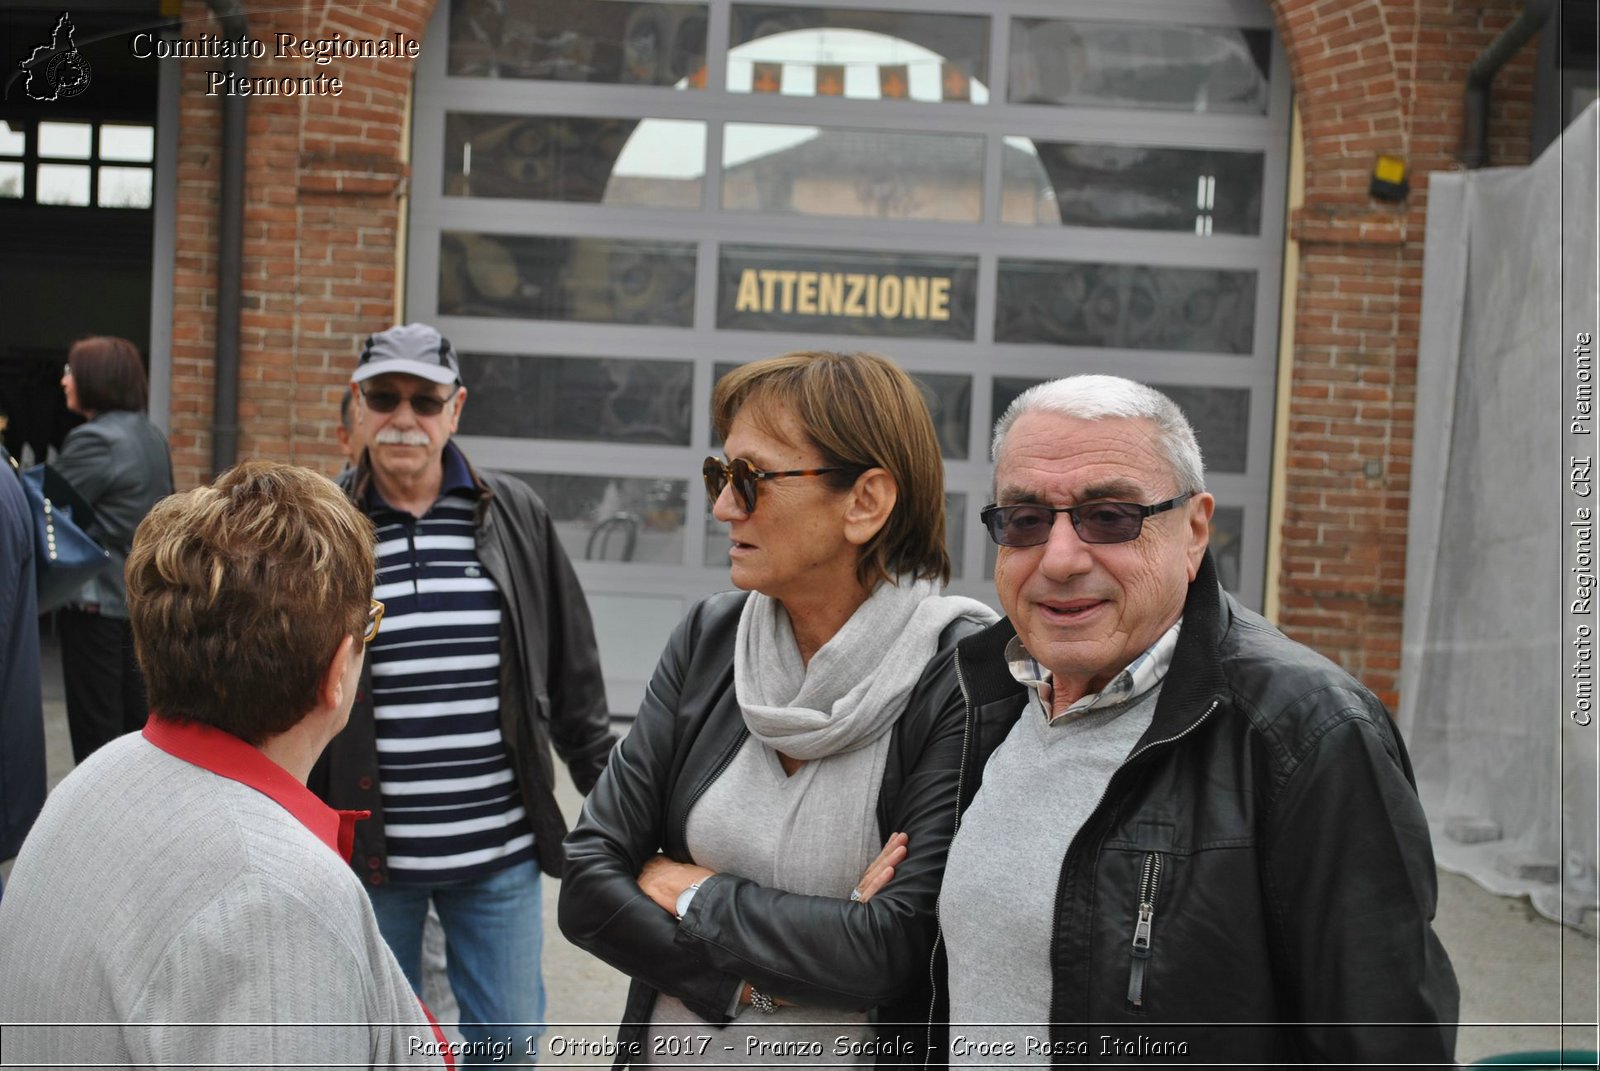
[(227, 756)]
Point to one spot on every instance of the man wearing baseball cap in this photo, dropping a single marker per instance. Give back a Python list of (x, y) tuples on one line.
[(487, 659)]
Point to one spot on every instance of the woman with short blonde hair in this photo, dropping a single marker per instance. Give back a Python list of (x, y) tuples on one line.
[(236, 609)]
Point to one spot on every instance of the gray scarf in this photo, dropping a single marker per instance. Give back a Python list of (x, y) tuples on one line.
[(839, 708)]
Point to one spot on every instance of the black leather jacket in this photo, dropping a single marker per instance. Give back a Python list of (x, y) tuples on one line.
[(120, 465), (813, 950), (551, 689), (1296, 881)]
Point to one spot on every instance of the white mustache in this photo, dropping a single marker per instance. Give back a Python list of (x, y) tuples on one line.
[(396, 437)]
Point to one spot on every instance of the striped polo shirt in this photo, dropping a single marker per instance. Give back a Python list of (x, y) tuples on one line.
[(451, 807)]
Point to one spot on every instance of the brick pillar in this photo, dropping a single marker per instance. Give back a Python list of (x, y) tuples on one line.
[(1371, 76), (323, 180)]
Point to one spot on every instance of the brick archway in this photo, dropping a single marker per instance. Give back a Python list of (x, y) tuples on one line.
[(1370, 77)]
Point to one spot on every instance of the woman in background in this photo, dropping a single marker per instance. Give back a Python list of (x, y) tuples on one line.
[(117, 462), (729, 857)]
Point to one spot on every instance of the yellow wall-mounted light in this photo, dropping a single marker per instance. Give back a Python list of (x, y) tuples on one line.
[(1389, 181)]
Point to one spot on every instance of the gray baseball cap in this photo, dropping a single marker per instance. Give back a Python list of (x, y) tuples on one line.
[(412, 350)]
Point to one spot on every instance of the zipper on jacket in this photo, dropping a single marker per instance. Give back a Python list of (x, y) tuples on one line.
[(938, 928), (1149, 885), (1057, 1014), (705, 783), (1215, 703)]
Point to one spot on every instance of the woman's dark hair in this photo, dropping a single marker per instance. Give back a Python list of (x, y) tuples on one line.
[(108, 374)]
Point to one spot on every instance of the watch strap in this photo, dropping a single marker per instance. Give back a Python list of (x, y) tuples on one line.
[(681, 907)]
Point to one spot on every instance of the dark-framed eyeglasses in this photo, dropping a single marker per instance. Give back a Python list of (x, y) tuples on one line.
[(374, 619), (744, 476), (387, 401), (1095, 522)]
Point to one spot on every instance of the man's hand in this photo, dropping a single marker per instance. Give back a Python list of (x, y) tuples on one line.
[(663, 880), (881, 869)]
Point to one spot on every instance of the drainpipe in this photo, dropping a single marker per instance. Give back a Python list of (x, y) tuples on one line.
[(230, 250), (1475, 106)]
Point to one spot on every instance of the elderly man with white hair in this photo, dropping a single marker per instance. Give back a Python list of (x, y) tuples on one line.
[(1184, 836)]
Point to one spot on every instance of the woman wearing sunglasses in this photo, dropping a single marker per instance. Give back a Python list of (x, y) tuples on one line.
[(763, 853)]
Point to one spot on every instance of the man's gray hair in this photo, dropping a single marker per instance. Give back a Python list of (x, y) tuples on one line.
[(1093, 397)]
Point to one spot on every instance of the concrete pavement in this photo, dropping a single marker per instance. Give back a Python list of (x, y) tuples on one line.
[(1522, 976)]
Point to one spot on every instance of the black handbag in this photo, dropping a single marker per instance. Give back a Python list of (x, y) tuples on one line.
[(64, 556)]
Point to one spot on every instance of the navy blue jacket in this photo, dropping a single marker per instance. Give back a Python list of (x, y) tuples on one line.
[(22, 772)]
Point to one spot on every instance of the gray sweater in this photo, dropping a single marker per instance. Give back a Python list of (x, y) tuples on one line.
[(738, 827), (174, 916), (997, 905)]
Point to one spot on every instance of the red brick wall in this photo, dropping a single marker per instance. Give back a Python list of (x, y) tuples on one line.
[(325, 174), (1370, 76), (323, 179)]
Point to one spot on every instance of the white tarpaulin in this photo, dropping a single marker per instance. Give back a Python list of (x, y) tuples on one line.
[(1508, 779)]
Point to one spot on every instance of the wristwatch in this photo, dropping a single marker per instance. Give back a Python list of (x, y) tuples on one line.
[(761, 1002), (682, 904)]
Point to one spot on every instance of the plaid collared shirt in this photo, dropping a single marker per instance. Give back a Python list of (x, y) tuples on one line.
[(1140, 675)]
